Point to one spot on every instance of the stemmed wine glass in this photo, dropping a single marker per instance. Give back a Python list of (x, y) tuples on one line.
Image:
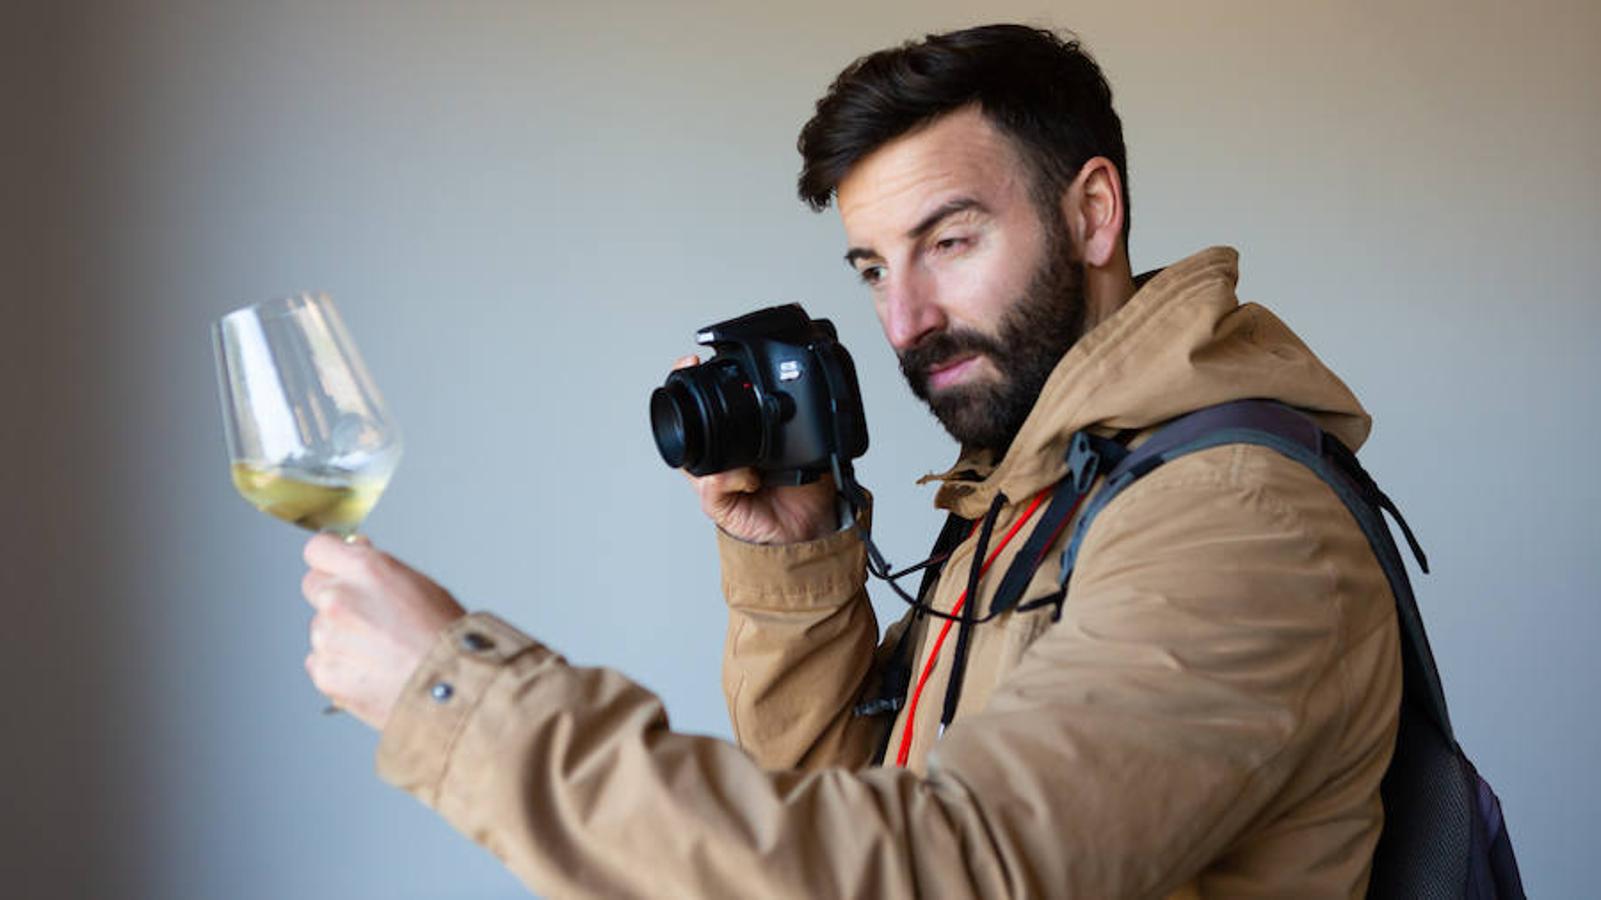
[(309, 438)]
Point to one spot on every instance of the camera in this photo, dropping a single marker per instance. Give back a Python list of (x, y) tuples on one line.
[(780, 394)]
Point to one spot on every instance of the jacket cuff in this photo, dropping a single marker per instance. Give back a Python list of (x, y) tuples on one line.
[(807, 575), (439, 699)]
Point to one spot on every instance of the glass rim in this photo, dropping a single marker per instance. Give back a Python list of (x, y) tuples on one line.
[(277, 307)]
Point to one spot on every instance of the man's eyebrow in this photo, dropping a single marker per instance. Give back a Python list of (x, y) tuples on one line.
[(929, 223), (855, 253), (945, 211)]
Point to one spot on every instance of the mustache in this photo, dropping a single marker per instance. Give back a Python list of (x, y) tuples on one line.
[(941, 347)]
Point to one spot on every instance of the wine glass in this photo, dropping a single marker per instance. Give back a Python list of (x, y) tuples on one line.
[(309, 438)]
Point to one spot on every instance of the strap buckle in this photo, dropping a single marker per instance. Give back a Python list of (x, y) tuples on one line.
[(878, 706), (1088, 455)]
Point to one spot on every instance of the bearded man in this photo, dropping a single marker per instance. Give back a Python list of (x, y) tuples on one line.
[(1208, 710)]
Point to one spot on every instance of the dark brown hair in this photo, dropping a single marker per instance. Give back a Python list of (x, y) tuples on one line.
[(1043, 91)]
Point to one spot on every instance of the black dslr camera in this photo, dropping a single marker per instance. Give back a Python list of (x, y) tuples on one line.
[(780, 395)]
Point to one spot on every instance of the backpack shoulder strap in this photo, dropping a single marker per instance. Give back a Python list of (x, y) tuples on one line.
[(1297, 436), (1443, 833)]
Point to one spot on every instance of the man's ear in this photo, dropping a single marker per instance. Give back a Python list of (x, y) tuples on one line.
[(1093, 208)]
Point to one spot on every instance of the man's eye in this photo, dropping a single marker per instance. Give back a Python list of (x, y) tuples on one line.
[(871, 274), (947, 244)]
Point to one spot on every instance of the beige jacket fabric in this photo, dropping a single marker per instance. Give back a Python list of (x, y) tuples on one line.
[(1211, 715)]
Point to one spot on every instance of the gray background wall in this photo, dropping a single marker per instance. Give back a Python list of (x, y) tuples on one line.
[(526, 209)]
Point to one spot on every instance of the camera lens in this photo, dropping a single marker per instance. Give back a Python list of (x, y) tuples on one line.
[(706, 419), (678, 445)]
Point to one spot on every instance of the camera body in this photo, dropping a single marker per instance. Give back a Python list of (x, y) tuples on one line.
[(779, 394)]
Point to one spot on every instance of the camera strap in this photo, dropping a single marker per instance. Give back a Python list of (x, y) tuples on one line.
[(895, 675), (854, 499), (1087, 457)]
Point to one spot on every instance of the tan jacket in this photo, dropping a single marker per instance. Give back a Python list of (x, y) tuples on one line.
[(1212, 714)]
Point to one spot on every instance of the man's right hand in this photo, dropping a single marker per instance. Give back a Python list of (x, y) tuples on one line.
[(741, 505)]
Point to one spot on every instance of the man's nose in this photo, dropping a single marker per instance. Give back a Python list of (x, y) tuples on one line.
[(910, 311)]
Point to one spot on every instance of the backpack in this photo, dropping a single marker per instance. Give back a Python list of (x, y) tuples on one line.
[(1443, 835)]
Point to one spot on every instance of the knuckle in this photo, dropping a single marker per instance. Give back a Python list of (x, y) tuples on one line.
[(364, 571), (373, 565), (335, 607)]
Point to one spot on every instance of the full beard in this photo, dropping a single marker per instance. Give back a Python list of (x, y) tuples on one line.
[(1042, 325)]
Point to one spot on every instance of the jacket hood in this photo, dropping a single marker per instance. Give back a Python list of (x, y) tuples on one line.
[(1182, 342)]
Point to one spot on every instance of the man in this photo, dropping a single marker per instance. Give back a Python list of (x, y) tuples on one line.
[(1213, 710)]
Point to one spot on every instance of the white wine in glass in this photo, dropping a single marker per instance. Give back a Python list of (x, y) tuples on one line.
[(309, 438)]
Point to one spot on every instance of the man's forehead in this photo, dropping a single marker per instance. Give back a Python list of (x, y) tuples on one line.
[(895, 186)]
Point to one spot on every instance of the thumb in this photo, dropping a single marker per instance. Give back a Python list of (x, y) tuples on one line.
[(744, 480)]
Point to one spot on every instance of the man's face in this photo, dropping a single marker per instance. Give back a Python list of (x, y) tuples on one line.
[(973, 283)]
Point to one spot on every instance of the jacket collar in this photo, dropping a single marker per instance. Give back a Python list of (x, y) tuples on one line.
[(1182, 342)]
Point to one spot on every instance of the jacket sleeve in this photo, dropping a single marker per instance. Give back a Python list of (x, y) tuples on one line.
[(800, 646), (1198, 667)]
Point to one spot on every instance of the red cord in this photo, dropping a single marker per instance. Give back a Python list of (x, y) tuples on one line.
[(928, 667)]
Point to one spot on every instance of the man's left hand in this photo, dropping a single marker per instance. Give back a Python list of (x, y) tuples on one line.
[(376, 620)]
